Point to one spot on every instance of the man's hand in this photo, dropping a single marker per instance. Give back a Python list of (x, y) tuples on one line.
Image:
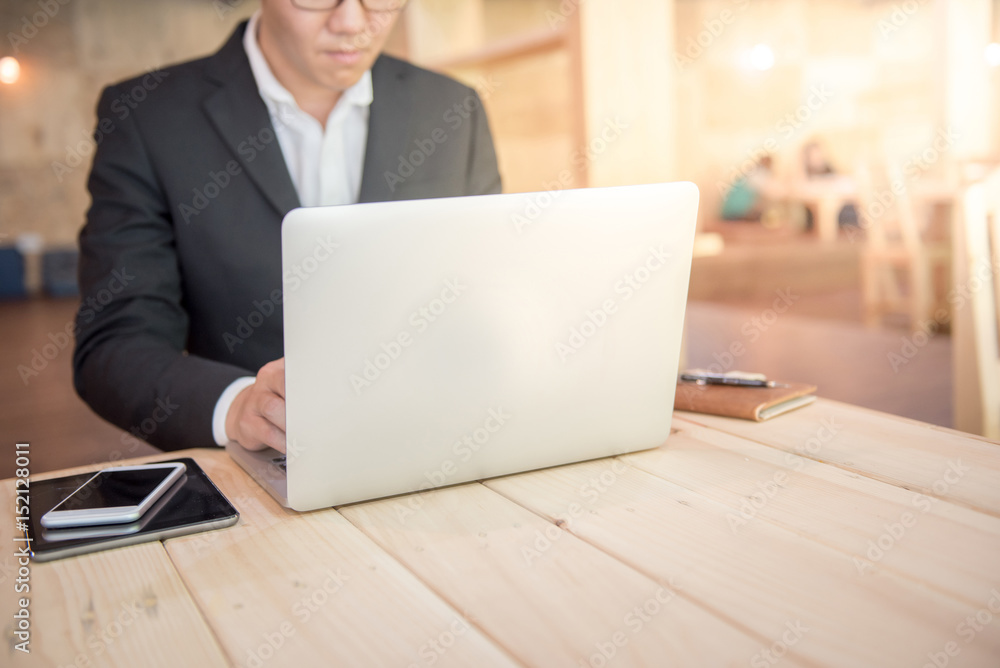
[(257, 417)]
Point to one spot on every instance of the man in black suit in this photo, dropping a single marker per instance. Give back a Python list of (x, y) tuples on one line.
[(179, 335)]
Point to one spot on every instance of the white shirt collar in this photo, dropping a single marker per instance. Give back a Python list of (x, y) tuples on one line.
[(275, 95)]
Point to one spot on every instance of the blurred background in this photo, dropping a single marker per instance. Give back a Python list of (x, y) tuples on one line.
[(834, 142)]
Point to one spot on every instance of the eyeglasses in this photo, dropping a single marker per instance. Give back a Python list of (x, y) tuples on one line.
[(373, 6)]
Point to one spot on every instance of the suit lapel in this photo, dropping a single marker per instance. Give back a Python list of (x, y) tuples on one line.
[(240, 117), (388, 130)]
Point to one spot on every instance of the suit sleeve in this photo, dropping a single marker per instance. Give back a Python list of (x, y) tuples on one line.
[(129, 362), (483, 173)]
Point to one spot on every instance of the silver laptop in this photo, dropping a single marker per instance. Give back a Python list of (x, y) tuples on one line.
[(435, 342)]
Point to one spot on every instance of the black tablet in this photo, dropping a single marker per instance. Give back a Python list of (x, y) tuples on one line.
[(191, 505)]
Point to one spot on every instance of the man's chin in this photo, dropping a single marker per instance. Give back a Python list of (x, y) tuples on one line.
[(342, 78), (339, 83)]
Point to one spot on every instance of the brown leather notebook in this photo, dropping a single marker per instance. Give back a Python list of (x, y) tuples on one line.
[(749, 403)]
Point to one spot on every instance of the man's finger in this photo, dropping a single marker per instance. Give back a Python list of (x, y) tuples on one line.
[(272, 408), (272, 376), (263, 431)]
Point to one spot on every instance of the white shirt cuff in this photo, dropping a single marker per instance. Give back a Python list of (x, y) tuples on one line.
[(222, 407)]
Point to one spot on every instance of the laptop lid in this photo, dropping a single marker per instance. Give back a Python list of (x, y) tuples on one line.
[(433, 342)]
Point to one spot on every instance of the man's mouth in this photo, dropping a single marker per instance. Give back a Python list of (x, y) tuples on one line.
[(344, 56)]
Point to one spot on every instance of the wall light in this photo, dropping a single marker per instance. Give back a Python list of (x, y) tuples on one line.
[(10, 70), (993, 54), (760, 57)]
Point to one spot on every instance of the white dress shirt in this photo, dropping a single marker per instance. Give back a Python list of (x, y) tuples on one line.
[(325, 163)]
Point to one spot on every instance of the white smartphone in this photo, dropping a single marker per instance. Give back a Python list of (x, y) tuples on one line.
[(114, 496)]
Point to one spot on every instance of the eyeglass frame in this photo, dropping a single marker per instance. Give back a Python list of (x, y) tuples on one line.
[(338, 3)]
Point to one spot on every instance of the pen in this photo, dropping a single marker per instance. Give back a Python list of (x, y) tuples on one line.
[(707, 378)]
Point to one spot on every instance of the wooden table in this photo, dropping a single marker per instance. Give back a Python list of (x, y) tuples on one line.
[(833, 536), (825, 196)]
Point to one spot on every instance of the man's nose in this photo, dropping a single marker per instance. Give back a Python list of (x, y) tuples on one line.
[(348, 17)]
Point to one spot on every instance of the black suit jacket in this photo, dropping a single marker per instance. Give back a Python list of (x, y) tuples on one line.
[(180, 267)]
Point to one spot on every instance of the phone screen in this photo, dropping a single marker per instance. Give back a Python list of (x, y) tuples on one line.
[(115, 489)]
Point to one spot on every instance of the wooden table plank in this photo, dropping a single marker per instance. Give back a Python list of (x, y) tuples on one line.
[(292, 589), (548, 597), (942, 545), (898, 451), (123, 607), (772, 580)]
